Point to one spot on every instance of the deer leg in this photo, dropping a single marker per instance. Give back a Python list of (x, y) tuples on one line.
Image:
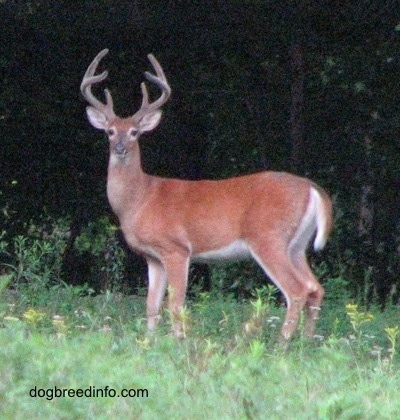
[(313, 305), (157, 285), (280, 269), (177, 268), (315, 296)]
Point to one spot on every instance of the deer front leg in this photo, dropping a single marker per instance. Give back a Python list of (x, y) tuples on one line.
[(157, 285), (177, 268)]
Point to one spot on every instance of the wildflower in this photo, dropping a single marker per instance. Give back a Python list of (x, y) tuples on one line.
[(33, 316)]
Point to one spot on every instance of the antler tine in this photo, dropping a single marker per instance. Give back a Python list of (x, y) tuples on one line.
[(145, 96), (161, 81), (157, 67), (89, 79)]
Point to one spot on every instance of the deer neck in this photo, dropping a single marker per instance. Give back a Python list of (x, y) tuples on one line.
[(126, 181)]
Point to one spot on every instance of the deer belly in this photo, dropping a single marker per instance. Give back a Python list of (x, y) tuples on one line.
[(234, 251)]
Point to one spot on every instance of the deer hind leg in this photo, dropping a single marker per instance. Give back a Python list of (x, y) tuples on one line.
[(297, 254), (177, 268), (279, 267), (315, 296), (157, 285)]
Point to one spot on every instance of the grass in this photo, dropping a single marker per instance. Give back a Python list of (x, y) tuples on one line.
[(229, 366)]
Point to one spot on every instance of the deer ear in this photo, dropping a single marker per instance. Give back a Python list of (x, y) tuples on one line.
[(97, 118), (150, 121)]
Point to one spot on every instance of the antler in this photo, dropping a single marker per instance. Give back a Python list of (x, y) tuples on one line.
[(161, 81), (108, 108), (86, 87)]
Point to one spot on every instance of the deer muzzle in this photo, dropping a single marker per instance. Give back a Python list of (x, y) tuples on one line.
[(119, 149)]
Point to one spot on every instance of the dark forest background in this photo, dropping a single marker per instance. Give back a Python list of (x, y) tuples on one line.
[(310, 87)]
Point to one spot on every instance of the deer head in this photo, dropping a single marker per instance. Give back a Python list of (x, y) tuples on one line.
[(123, 132)]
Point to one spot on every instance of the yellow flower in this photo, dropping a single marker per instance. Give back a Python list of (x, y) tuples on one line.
[(33, 316)]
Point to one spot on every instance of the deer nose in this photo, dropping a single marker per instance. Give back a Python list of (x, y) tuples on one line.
[(120, 149)]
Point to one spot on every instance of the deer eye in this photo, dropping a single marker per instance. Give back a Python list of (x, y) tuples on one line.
[(110, 132), (134, 133)]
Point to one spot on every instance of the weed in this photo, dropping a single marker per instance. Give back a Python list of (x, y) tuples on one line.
[(392, 334), (357, 318)]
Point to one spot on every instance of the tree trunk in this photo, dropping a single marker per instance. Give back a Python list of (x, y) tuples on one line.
[(297, 107), (366, 213)]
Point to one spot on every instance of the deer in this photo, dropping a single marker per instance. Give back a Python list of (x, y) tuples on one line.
[(268, 216)]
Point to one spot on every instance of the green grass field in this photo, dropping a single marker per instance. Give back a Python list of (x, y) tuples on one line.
[(74, 355)]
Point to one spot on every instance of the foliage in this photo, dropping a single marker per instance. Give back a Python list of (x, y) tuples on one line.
[(34, 262), (222, 369), (98, 239), (55, 338)]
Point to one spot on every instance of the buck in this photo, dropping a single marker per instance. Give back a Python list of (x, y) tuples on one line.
[(269, 216)]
